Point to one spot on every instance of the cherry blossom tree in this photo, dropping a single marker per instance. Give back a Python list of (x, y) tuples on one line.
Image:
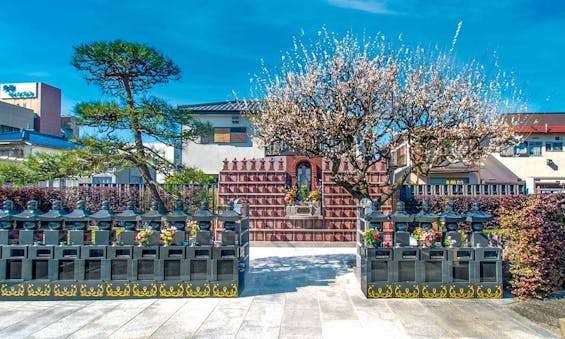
[(358, 100)]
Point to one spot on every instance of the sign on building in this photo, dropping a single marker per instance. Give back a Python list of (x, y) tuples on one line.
[(18, 90)]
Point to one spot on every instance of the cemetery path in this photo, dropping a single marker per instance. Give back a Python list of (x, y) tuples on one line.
[(291, 292)]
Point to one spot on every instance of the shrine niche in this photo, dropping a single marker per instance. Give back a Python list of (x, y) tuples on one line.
[(317, 209)]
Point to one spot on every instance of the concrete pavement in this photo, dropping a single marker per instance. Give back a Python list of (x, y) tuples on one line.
[(291, 293)]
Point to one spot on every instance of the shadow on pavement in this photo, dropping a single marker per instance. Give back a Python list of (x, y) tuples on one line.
[(272, 275)]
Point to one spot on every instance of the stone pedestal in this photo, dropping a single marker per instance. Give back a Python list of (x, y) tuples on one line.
[(154, 239), (101, 237), (228, 238), (75, 237), (26, 237), (204, 238), (4, 237), (179, 238), (401, 238), (51, 237), (127, 237), (479, 239)]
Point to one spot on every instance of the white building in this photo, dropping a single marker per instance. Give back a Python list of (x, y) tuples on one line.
[(133, 175), (230, 139), (538, 162), (539, 159)]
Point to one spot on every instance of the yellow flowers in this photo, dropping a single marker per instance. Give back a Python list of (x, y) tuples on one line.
[(143, 235), (167, 235)]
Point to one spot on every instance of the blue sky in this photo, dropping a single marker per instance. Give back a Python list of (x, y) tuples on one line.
[(219, 45)]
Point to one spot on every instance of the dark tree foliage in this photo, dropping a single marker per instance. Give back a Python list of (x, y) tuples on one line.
[(126, 72)]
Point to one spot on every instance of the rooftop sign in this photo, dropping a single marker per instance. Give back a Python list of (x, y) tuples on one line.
[(18, 90)]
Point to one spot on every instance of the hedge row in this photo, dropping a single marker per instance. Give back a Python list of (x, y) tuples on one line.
[(534, 231)]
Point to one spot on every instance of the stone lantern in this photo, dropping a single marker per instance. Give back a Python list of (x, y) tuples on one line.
[(451, 218), (376, 219), (6, 221), (28, 219), (103, 220), (153, 220), (53, 220), (128, 219), (177, 219), (229, 218), (204, 219), (76, 223), (401, 220), (425, 218), (477, 218)]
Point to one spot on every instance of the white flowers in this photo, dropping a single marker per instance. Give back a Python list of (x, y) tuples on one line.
[(355, 102)]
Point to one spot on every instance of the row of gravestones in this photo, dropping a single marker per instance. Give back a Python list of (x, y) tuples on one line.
[(74, 270), (374, 220), (408, 271), (55, 225)]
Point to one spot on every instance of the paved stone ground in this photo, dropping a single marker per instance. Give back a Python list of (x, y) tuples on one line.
[(291, 293)]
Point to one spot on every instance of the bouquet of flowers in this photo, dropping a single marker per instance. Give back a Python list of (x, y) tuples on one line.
[(313, 197), (290, 196), (372, 237), (425, 237), (167, 235), (193, 228), (142, 236)]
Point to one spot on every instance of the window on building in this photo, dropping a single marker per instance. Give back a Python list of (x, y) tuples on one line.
[(136, 179), (553, 146), (227, 135), (11, 152), (7, 129), (521, 149), (101, 180), (534, 148)]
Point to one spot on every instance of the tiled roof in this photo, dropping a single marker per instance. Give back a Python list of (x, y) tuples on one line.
[(538, 122), (36, 138), (224, 106)]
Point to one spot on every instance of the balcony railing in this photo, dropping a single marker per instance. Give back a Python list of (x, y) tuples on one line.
[(463, 189)]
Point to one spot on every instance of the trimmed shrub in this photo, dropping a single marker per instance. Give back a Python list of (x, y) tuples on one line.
[(534, 236), (535, 242)]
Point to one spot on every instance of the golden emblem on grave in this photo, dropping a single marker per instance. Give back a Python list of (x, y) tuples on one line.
[(43, 290), (434, 292), (379, 292), (118, 291), (65, 291), (91, 291), (198, 291), (489, 293), (171, 292), (145, 291), (461, 293), (225, 292), (407, 292), (12, 291)]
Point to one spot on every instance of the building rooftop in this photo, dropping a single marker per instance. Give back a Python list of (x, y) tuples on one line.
[(538, 122), (36, 138), (235, 106)]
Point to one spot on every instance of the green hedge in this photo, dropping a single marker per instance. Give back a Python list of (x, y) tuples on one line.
[(534, 231)]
